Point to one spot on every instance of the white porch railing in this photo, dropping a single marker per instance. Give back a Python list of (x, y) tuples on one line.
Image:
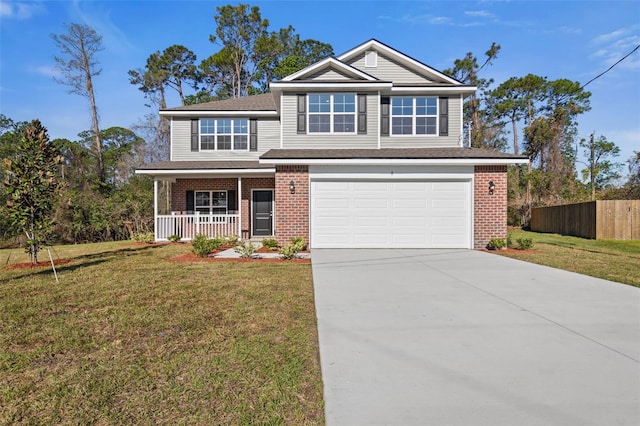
[(187, 226)]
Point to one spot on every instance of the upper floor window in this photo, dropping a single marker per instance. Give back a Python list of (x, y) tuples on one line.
[(332, 113), (414, 116), (224, 134)]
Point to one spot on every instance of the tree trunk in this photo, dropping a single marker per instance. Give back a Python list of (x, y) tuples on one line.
[(94, 116), (592, 166)]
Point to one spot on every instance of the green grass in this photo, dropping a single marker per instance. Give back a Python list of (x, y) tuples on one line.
[(127, 337), (613, 260)]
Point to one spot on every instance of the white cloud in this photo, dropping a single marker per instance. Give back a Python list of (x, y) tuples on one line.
[(19, 10), (46, 70), (479, 13), (605, 38), (615, 45)]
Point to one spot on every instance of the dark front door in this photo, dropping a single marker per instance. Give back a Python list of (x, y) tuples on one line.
[(262, 213)]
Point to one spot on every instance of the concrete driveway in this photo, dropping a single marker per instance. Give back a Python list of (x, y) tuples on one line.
[(460, 337)]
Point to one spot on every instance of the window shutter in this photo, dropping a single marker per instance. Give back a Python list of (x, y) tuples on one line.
[(384, 115), (191, 203), (195, 135), (231, 201), (362, 114), (253, 134), (302, 114), (444, 116)]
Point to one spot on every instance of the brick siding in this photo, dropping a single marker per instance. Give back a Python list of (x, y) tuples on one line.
[(292, 210), (181, 186), (490, 210)]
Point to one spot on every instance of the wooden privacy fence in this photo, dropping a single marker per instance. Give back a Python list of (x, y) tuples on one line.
[(600, 220)]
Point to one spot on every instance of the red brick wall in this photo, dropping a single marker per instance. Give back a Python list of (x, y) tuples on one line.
[(292, 210), (490, 211), (181, 186)]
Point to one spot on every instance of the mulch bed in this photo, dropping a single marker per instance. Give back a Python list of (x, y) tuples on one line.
[(190, 257), (27, 265)]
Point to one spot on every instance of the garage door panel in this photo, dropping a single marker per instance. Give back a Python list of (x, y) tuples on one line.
[(401, 214)]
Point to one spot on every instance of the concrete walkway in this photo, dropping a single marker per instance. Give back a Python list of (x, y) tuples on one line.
[(460, 337)]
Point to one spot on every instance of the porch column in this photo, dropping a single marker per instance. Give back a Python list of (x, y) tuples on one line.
[(240, 208), (155, 209)]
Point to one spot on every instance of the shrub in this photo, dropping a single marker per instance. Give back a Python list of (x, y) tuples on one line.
[(496, 244), (289, 251), (231, 240), (299, 243), (143, 237), (270, 243), (509, 240), (524, 243), (246, 250), (174, 238), (202, 245)]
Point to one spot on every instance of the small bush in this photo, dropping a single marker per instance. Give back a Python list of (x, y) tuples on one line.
[(496, 244), (246, 250), (174, 238), (231, 240), (524, 243), (289, 251), (202, 245), (143, 237), (299, 243), (270, 243), (509, 240)]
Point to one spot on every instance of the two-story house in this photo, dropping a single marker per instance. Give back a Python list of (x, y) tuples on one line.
[(360, 150)]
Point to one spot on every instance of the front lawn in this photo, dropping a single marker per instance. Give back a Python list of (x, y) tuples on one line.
[(609, 259), (127, 337)]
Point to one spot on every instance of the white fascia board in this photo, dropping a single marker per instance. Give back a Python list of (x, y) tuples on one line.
[(397, 55), (435, 89), (200, 172), (312, 69), (399, 161), (196, 113), (331, 85)]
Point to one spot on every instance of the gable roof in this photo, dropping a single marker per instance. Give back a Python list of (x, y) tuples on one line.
[(330, 63), (398, 56)]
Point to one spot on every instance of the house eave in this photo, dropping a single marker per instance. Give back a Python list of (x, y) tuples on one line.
[(199, 173), (210, 113), (355, 85), (396, 161)]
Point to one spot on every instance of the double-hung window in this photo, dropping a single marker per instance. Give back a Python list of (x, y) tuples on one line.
[(224, 134), (332, 113), (414, 116), (211, 202)]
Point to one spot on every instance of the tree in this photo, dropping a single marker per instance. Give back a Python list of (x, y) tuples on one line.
[(600, 170), (32, 185), (78, 65), (467, 71), (516, 99)]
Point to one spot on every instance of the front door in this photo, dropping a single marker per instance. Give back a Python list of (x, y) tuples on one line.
[(262, 201)]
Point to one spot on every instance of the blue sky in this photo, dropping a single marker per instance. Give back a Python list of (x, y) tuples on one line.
[(576, 40)]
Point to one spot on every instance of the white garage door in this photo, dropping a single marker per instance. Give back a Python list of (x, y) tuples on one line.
[(395, 214)]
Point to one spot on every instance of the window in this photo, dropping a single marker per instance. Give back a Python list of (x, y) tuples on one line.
[(211, 202), (224, 134), (332, 113), (414, 116)]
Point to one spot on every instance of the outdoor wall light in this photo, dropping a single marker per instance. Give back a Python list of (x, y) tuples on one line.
[(292, 187), (492, 187)]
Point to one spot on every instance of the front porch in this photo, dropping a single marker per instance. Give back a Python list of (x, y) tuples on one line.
[(187, 226)]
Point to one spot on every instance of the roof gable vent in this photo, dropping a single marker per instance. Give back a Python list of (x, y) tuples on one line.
[(370, 59)]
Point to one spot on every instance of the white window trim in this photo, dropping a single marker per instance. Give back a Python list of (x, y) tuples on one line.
[(413, 118), (211, 191), (215, 134), (331, 114)]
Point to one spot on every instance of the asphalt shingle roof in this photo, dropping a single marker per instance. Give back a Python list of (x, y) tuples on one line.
[(390, 153), (263, 102)]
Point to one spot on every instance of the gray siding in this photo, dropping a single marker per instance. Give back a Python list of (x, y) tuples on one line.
[(292, 140), (388, 70), (268, 138), (453, 140), (329, 75)]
